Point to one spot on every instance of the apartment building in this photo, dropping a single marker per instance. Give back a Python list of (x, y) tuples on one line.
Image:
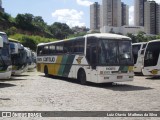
[(139, 12), (111, 13), (95, 17), (150, 17)]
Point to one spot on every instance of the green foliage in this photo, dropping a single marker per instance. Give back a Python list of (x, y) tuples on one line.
[(77, 34), (31, 41), (11, 31), (33, 25), (141, 37), (5, 16), (60, 30), (24, 21)]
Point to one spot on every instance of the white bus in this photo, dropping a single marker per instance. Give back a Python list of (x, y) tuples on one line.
[(31, 56), (138, 55), (5, 58), (18, 57), (152, 59), (32, 64), (98, 58)]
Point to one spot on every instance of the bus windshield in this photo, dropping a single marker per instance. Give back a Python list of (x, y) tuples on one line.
[(5, 52), (152, 54), (5, 38), (136, 48), (115, 52)]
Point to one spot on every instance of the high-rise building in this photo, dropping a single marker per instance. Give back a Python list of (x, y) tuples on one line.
[(125, 14), (111, 13), (95, 17), (150, 17), (157, 19), (139, 12)]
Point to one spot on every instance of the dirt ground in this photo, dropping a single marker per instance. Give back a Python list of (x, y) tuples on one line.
[(33, 91)]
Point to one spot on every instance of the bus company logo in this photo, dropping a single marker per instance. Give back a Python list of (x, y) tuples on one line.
[(46, 59), (6, 114), (79, 60), (49, 59)]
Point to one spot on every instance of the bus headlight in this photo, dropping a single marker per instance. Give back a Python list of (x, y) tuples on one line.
[(130, 69)]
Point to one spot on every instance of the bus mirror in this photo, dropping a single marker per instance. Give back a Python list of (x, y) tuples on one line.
[(14, 48), (1, 42)]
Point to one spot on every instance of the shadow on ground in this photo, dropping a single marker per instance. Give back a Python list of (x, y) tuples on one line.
[(153, 78), (4, 85), (110, 86), (5, 99), (20, 75), (14, 79)]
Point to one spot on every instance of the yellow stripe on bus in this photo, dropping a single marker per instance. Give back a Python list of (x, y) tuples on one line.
[(58, 64)]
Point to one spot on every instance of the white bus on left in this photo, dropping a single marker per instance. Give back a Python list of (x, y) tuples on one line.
[(5, 57)]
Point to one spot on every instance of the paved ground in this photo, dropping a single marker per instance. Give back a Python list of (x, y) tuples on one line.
[(34, 92)]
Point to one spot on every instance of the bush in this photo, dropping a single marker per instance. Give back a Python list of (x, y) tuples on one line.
[(31, 41)]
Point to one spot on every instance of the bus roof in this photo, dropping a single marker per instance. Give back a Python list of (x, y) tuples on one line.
[(2, 33), (158, 40), (13, 40), (97, 35), (107, 35), (139, 43)]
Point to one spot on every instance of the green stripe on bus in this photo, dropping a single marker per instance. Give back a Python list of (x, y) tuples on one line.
[(57, 65), (68, 65), (124, 68), (61, 69)]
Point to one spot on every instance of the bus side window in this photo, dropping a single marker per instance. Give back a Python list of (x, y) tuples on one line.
[(79, 45), (92, 51), (39, 50), (68, 47), (45, 50), (59, 48), (52, 49)]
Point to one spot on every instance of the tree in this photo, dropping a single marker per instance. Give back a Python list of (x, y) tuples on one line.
[(133, 37), (29, 42), (60, 30), (24, 21), (141, 37)]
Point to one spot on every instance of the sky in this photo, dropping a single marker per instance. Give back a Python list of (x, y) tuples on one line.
[(71, 12)]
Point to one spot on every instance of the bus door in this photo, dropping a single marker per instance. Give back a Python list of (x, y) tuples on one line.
[(91, 56)]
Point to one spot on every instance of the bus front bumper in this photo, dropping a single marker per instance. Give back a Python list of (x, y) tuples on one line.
[(6, 74), (150, 71), (115, 78)]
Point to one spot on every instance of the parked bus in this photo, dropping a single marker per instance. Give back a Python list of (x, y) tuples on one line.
[(152, 59), (18, 57), (31, 59), (98, 58), (138, 55), (5, 58), (32, 64)]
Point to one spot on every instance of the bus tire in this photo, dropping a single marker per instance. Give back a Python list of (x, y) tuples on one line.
[(82, 77), (46, 71)]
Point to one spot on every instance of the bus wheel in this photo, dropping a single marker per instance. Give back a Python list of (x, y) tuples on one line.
[(46, 71), (82, 77)]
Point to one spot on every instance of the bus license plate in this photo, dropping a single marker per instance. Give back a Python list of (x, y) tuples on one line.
[(154, 72), (119, 77)]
